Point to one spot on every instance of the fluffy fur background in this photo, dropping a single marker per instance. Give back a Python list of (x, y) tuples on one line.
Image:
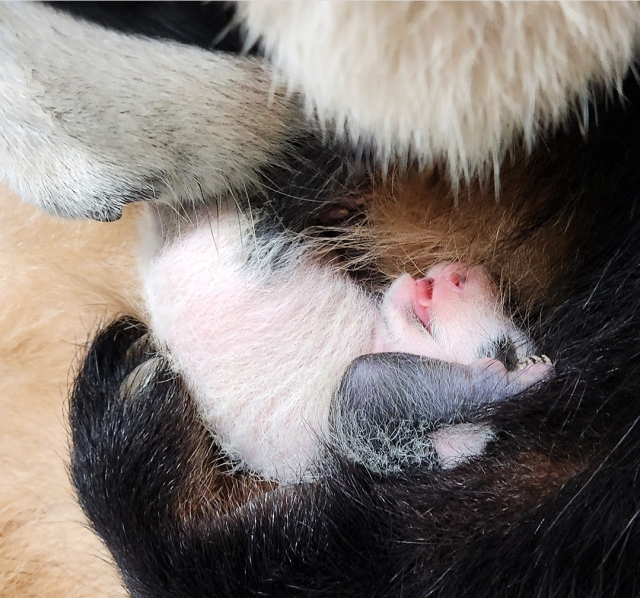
[(59, 279), (459, 81)]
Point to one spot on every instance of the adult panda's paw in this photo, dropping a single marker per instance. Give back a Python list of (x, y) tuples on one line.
[(92, 119)]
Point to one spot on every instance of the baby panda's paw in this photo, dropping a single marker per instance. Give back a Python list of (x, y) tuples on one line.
[(491, 373)]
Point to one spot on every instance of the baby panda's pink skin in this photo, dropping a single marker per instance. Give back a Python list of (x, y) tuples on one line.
[(262, 348), (456, 444), (447, 315)]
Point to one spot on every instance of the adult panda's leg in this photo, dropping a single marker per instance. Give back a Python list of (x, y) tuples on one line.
[(92, 118), (134, 428)]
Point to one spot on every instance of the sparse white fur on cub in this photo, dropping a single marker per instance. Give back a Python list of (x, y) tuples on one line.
[(461, 81), (263, 332), (261, 350)]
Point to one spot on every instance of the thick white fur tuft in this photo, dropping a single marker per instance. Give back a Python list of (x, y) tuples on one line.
[(226, 321), (462, 81)]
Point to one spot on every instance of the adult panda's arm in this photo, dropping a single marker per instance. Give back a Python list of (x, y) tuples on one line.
[(91, 118)]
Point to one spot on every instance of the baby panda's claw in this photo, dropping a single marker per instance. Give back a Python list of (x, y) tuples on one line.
[(529, 361), (531, 370), (533, 359)]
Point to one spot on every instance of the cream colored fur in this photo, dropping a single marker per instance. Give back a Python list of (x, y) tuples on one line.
[(459, 81), (59, 280)]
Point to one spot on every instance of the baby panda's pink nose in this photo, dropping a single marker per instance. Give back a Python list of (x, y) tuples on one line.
[(441, 281), (442, 286)]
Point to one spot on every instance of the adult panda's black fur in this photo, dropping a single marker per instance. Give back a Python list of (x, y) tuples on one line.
[(549, 510), (207, 25)]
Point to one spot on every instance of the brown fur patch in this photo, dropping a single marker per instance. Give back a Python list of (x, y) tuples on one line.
[(417, 223), (214, 488)]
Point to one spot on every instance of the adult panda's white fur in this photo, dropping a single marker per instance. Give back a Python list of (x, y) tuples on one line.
[(92, 119), (458, 81)]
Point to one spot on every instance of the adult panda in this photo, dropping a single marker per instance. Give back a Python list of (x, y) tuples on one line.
[(549, 507), (348, 497)]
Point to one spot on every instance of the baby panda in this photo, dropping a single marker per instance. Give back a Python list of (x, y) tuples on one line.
[(285, 355)]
